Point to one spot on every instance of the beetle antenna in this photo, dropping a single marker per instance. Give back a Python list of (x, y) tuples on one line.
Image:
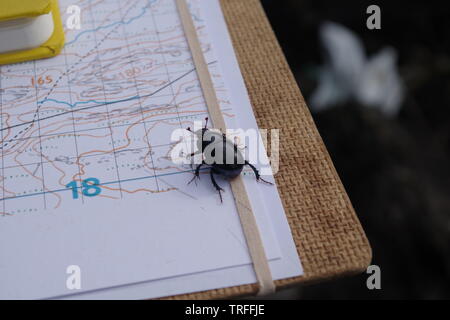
[(206, 122), (235, 142)]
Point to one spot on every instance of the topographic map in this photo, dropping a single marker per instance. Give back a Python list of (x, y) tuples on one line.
[(95, 122), (87, 180)]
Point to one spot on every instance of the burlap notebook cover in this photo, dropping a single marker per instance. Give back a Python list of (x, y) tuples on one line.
[(326, 230)]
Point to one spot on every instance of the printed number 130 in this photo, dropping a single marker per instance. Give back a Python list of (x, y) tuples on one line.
[(89, 187)]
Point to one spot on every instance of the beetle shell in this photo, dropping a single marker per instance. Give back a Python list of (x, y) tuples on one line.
[(228, 171), (221, 153)]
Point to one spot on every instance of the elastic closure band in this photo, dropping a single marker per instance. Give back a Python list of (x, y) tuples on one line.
[(246, 215)]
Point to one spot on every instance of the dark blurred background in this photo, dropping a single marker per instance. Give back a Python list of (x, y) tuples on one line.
[(394, 167)]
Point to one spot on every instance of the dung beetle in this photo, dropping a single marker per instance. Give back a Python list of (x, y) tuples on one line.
[(222, 155)]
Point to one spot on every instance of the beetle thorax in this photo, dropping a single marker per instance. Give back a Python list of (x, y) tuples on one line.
[(217, 149)]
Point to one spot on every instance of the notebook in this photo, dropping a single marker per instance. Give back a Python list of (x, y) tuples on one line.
[(29, 29), (103, 113)]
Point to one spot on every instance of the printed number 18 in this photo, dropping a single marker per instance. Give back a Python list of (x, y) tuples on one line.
[(89, 187)]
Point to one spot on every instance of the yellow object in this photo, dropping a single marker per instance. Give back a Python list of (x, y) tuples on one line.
[(16, 9)]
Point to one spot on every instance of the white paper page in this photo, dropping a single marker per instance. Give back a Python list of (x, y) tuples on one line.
[(288, 265), (111, 236)]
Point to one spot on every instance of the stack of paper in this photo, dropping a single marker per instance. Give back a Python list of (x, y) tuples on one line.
[(92, 204)]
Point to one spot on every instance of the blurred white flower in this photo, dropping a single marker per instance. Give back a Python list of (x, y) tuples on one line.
[(349, 74)]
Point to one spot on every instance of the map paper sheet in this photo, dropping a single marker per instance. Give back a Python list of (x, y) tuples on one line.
[(87, 176)]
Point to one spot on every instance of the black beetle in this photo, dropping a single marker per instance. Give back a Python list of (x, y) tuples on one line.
[(222, 155)]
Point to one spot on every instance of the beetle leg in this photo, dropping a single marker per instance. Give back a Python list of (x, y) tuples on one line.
[(197, 172), (258, 176), (193, 154), (218, 188)]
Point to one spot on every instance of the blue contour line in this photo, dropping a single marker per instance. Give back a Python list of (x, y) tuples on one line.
[(102, 184), (144, 10)]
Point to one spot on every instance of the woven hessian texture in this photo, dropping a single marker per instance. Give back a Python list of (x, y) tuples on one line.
[(329, 238)]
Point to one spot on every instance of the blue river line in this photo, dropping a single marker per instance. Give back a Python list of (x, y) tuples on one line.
[(144, 11)]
